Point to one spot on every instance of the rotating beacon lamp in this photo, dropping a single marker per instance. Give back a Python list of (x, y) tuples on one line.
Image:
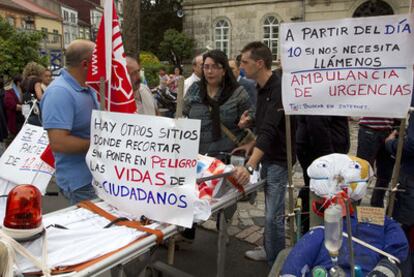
[(23, 218)]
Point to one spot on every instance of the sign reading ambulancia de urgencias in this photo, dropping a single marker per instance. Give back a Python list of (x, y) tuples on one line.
[(350, 67)]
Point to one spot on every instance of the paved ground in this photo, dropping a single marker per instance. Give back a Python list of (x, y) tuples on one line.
[(248, 221), (197, 259), (245, 230)]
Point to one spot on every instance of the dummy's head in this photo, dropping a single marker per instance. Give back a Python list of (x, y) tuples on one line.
[(333, 173)]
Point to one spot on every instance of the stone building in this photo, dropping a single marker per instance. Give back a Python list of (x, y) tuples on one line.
[(229, 25)]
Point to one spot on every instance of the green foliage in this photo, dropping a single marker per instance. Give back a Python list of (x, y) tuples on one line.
[(148, 59), (176, 46), (156, 17), (151, 65), (17, 48)]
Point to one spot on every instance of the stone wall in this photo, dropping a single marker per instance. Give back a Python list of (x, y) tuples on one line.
[(246, 17)]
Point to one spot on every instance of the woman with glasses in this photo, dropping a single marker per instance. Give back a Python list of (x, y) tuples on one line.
[(217, 99)]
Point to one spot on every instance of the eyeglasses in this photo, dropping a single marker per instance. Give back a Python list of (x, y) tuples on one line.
[(213, 67)]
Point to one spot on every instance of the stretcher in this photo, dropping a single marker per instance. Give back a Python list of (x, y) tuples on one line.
[(144, 244)]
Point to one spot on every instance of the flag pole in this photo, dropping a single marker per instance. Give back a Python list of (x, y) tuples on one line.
[(108, 25), (180, 98), (102, 93), (178, 114), (396, 171), (290, 179)]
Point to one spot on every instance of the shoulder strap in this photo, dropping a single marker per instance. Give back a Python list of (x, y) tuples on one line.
[(132, 224), (240, 88), (367, 245), (227, 132)]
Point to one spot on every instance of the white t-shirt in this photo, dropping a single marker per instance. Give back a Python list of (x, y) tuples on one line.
[(145, 101), (189, 81)]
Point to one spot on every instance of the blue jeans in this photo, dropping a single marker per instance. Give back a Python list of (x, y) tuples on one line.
[(403, 213), (275, 188), (371, 147), (84, 193)]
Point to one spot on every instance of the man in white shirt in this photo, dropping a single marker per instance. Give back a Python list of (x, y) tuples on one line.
[(143, 96), (197, 71)]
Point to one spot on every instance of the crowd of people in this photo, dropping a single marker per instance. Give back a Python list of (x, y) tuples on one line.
[(227, 102), (20, 95)]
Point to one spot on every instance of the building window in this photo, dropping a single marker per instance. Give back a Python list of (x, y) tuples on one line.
[(271, 34), (28, 23), (66, 16), (81, 33), (73, 18), (55, 36), (371, 8), (67, 37), (74, 35), (95, 18), (222, 36), (87, 34), (44, 30), (11, 20)]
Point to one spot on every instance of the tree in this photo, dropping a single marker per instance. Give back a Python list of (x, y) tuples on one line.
[(157, 16), (131, 27), (17, 48), (176, 46)]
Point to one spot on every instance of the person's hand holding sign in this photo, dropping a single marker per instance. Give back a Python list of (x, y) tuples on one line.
[(245, 120), (392, 136), (242, 175)]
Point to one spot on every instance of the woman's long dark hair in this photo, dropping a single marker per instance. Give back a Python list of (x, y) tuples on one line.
[(229, 83), (228, 86)]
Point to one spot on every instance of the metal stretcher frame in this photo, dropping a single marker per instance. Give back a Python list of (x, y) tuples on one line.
[(145, 244)]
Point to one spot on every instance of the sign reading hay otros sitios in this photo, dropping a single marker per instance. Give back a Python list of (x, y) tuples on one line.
[(145, 165), (350, 67)]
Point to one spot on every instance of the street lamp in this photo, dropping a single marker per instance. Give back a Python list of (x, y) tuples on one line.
[(178, 8)]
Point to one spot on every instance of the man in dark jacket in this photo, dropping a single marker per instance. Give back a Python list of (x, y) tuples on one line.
[(317, 136), (404, 204), (269, 149)]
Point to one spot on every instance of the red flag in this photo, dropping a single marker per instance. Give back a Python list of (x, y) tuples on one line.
[(111, 66), (47, 156)]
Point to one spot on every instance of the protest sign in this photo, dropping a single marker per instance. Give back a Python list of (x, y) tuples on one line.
[(145, 165), (21, 163), (350, 67)]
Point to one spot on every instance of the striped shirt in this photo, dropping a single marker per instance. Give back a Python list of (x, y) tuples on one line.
[(377, 123)]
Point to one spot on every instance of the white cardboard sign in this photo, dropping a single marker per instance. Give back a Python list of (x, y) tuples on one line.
[(145, 165), (350, 67), (21, 163)]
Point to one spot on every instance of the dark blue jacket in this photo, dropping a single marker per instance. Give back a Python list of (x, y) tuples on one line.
[(250, 87), (310, 249), (407, 159)]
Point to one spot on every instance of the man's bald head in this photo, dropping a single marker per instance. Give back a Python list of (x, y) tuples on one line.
[(197, 65), (131, 63), (78, 51), (133, 69)]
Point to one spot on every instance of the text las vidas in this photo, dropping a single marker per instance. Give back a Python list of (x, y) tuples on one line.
[(139, 162)]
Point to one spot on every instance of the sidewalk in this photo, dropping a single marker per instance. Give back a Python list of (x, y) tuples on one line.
[(248, 222)]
